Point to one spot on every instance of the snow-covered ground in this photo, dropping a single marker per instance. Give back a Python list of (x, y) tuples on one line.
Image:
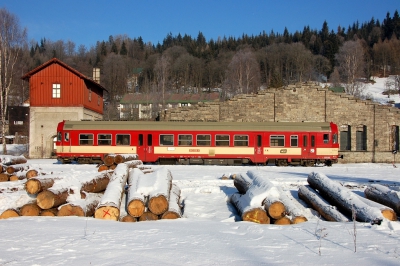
[(210, 232)]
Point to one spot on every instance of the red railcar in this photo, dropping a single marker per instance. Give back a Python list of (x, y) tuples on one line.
[(224, 143)]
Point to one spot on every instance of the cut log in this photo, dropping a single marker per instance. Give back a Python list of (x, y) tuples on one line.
[(30, 209), (16, 177), (103, 167), (158, 197), (128, 219), (318, 203), (174, 208), (4, 177), (49, 199), (136, 200), (122, 158), (109, 159), (384, 195), (292, 208), (109, 205), (32, 173), (81, 207), (343, 198), (107, 213), (275, 209), (10, 213), (273, 204), (11, 169), (242, 183), (248, 212), (11, 159), (49, 212), (386, 211), (148, 216), (98, 183), (282, 221), (37, 185)]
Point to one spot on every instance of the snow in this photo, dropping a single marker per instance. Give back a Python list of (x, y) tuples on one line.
[(210, 231)]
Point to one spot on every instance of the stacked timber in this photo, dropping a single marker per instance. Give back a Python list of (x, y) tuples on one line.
[(11, 159), (257, 195), (152, 196), (57, 194), (13, 168), (111, 161), (348, 202), (249, 200)]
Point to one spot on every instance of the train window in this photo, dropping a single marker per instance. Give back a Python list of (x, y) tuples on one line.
[(104, 139), (312, 141), (149, 140), (66, 136), (294, 141), (259, 141), (277, 140), (203, 140), (184, 140), (85, 139), (59, 136), (222, 140), (241, 140), (166, 140), (123, 139), (326, 138), (304, 141)]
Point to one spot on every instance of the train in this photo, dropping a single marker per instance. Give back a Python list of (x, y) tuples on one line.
[(200, 143)]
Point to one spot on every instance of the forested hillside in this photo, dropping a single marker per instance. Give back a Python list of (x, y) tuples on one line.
[(191, 64)]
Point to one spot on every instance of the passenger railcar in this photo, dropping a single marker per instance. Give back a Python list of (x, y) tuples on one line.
[(222, 143)]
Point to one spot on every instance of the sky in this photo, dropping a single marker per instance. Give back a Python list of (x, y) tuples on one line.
[(89, 21)]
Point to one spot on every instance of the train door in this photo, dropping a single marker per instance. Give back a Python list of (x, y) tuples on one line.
[(308, 145), (66, 143), (258, 150), (145, 147)]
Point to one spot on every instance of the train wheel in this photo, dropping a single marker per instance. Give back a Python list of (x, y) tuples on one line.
[(328, 163), (282, 163), (309, 163)]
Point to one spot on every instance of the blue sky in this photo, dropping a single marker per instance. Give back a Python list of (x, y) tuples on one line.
[(88, 21)]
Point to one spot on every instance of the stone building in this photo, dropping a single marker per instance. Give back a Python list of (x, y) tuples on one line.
[(369, 131)]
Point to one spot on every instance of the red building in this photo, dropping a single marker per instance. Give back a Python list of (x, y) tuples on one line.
[(59, 92)]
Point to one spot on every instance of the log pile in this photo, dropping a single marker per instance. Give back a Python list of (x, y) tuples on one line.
[(14, 168), (152, 196), (63, 195), (259, 200), (111, 160), (325, 195)]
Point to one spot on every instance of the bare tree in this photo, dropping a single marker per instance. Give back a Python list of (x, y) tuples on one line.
[(350, 61), (381, 51), (243, 74), (162, 69), (12, 39)]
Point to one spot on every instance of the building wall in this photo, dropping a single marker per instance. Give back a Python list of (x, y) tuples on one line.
[(43, 126), (74, 90), (309, 103)]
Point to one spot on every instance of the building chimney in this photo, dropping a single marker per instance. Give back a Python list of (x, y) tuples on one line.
[(96, 74)]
